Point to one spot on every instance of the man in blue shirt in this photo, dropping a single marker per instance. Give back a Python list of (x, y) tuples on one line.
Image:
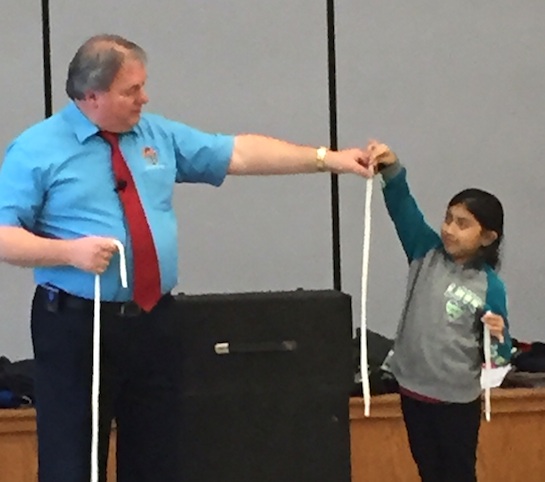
[(60, 213)]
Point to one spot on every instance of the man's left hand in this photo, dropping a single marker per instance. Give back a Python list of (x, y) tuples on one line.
[(354, 161)]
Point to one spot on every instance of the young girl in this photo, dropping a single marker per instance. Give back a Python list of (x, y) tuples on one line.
[(452, 290)]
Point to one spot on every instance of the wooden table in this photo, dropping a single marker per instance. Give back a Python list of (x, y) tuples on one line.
[(511, 446), (19, 447)]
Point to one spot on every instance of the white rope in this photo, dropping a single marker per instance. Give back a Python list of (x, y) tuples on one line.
[(96, 361), (364, 363), (487, 371)]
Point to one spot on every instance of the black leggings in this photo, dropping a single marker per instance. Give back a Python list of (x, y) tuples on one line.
[(443, 438)]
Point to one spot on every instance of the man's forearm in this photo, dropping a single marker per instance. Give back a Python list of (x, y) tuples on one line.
[(22, 248), (256, 154)]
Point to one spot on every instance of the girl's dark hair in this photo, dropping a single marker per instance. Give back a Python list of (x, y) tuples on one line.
[(488, 211)]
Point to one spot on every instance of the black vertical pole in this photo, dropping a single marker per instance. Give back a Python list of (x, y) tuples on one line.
[(46, 52), (333, 142)]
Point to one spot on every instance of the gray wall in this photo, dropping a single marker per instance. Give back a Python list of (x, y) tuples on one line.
[(454, 87), (21, 104)]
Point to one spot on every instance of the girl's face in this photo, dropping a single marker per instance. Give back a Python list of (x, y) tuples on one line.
[(462, 234)]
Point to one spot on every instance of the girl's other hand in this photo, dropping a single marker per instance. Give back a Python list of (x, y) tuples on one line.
[(495, 324)]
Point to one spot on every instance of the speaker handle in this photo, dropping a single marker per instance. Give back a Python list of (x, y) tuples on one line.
[(227, 348)]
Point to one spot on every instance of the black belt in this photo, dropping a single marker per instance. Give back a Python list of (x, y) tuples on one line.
[(58, 300)]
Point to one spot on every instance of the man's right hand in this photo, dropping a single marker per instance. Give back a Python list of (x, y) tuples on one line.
[(92, 253)]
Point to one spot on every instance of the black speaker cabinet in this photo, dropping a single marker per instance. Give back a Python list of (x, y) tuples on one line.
[(266, 381)]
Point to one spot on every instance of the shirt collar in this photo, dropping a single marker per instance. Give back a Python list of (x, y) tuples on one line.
[(81, 124)]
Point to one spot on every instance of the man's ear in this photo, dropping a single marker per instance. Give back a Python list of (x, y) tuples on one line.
[(488, 237), (91, 97)]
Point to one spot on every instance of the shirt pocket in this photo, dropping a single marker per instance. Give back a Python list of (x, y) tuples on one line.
[(159, 184)]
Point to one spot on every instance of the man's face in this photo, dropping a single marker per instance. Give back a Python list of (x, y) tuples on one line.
[(119, 109)]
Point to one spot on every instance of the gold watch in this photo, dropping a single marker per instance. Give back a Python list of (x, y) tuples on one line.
[(320, 158)]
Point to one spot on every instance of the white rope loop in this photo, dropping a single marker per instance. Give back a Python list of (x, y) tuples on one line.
[(364, 362), (95, 390), (487, 348)]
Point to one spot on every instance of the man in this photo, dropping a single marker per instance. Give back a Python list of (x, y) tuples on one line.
[(100, 170)]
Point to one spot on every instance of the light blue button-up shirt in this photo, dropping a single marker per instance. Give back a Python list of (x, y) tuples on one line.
[(56, 181)]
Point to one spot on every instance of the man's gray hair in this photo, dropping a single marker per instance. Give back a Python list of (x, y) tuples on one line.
[(97, 62)]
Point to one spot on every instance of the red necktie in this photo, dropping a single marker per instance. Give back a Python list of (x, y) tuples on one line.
[(147, 280)]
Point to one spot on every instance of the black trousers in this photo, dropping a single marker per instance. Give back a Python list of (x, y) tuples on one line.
[(139, 388), (443, 438)]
